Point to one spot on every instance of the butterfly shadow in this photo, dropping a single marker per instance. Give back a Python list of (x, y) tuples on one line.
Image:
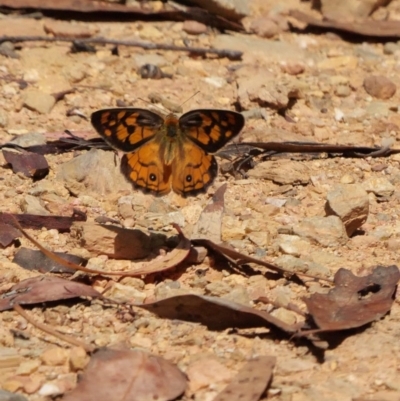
[(131, 244)]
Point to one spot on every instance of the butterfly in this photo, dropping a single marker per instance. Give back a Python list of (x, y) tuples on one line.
[(164, 153)]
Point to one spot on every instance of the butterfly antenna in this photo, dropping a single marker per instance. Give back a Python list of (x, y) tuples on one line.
[(191, 97)]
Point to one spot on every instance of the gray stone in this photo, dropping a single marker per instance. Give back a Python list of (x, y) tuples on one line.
[(350, 202), (379, 109), (218, 288), (159, 205), (239, 295), (31, 139), (292, 245), (3, 119), (162, 220), (32, 205), (297, 265), (125, 208), (347, 9), (390, 48), (342, 91), (380, 186), (264, 27), (326, 231), (113, 241), (291, 365), (257, 86), (393, 244), (381, 233), (285, 315), (93, 173), (38, 101), (7, 396), (282, 172)]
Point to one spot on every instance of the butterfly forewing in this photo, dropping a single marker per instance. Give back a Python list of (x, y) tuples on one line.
[(126, 129), (211, 129)]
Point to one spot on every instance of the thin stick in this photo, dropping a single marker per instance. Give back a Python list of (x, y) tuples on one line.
[(49, 330), (231, 54)]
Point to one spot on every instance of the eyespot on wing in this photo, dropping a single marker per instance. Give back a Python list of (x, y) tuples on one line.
[(195, 172), (145, 170)]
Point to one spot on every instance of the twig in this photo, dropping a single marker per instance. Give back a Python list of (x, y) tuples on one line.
[(55, 333), (231, 54)]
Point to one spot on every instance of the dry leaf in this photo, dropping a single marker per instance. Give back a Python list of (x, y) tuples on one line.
[(124, 375), (31, 259), (354, 301), (60, 223), (8, 234), (368, 27), (30, 164), (44, 289), (215, 313)]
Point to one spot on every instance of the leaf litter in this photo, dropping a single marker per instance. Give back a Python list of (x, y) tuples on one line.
[(215, 313)]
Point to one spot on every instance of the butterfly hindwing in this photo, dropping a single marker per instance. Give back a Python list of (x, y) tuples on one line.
[(126, 129), (193, 171), (211, 129), (145, 169)]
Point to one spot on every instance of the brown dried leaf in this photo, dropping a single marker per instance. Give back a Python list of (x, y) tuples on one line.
[(122, 375), (251, 381), (368, 27), (112, 9), (44, 289), (354, 301), (30, 164), (215, 313), (60, 223), (178, 255), (8, 234), (31, 259)]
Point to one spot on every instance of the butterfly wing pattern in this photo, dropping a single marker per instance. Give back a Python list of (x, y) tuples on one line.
[(164, 153), (211, 129), (126, 129), (132, 131), (207, 130)]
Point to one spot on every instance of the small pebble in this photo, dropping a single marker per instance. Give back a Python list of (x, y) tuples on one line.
[(379, 86), (194, 27)]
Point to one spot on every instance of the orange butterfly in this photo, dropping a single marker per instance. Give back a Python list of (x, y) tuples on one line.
[(170, 152)]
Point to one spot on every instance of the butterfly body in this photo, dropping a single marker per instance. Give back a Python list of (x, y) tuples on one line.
[(171, 138), (171, 152)]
